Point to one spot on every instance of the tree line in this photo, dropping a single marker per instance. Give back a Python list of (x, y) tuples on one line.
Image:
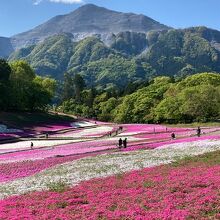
[(21, 89), (162, 99)]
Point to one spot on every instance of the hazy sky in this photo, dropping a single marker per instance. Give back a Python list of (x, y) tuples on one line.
[(21, 15)]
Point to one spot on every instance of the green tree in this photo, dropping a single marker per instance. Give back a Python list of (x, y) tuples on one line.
[(28, 91), (107, 109), (79, 85), (21, 79), (5, 72), (200, 102)]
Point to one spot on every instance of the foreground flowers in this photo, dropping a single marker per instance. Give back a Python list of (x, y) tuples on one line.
[(183, 190), (77, 171)]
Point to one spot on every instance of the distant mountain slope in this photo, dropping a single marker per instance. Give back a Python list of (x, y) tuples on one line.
[(213, 36), (5, 47), (183, 52), (50, 57), (86, 21), (168, 52), (98, 63)]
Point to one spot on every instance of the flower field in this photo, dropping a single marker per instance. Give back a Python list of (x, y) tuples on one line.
[(81, 174)]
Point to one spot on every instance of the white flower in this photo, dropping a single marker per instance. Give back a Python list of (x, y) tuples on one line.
[(108, 164)]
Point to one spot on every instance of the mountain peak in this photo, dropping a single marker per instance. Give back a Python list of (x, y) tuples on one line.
[(88, 6), (86, 21)]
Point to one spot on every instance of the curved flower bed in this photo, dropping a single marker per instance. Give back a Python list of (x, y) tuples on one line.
[(16, 170), (161, 142), (41, 159), (22, 145), (77, 171), (187, 191), (6, 136), (62, 150), (52, 127)]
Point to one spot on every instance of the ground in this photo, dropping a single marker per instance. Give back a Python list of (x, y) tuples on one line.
[(78, 172)]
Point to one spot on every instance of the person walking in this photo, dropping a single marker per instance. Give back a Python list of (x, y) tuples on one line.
[(173, 136), (198, 131), (32, 145), (125, 142), (120, 143)]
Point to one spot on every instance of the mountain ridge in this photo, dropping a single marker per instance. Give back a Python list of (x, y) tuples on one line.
[(174, 52), (86, 21)]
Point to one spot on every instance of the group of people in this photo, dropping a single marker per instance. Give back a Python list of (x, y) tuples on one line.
[(122, 143), (116, 132), (198, 133)]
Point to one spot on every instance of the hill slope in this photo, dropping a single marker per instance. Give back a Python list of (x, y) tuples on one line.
[(169, 52)]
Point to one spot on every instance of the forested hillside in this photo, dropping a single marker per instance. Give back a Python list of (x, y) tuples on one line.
[(194, 98), (129, 57), (21, 89)]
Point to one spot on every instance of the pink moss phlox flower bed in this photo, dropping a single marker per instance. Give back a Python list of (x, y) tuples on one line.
[(178, 133), (164, 192), (143, 127), (52, 127), (15, 170), (6, 136), (151, 128), (160, 143), (101, 134), (66, 134), (68, 149)]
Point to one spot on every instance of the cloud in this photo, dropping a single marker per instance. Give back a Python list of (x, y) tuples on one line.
[(67, 1), (37, 2)]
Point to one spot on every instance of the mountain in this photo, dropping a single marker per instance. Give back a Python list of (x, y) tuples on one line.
[(183, 52), (86, 21), (213, 36), (5, 47), (99, 64), (129, 57)]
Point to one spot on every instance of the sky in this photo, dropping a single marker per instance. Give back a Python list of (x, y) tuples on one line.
[(17, 16)]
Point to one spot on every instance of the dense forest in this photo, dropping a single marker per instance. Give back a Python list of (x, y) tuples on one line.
[(21, 89), (162, 99)]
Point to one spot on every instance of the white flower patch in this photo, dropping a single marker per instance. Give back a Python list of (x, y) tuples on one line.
[(4, 129), (93, 131), (37, 143), (82, 124), (105, 165), (185, 145), (129, 133)]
